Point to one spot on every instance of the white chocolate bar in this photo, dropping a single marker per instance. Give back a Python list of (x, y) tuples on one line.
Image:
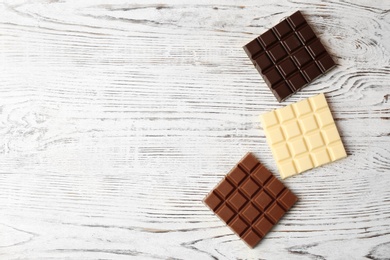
[(302, 136)]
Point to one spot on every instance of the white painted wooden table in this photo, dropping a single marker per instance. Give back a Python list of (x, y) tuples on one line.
[(117, 118)]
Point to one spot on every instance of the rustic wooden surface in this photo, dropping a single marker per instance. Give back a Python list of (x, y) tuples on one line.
[(117, 118)]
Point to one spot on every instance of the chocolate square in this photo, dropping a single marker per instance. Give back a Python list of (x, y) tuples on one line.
[(287, 67)]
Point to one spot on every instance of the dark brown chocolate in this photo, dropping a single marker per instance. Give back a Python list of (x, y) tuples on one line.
[(250, 200), (289, 56)]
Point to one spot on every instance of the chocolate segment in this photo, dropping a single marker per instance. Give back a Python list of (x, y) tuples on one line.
[(289, 56), (250, 199)]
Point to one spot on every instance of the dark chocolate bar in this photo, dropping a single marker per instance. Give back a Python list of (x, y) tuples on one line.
[(250, 200), (289, 56)]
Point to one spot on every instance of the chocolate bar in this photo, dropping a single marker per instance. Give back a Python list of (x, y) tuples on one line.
[(250, 200), (302, 136), (289, 56)]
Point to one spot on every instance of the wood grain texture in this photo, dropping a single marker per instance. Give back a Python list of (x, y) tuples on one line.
[(118, 117)]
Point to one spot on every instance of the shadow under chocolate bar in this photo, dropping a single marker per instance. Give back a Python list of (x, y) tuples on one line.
[(289, 56)]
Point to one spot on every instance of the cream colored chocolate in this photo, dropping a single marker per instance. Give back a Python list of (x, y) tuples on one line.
[(302, 136)]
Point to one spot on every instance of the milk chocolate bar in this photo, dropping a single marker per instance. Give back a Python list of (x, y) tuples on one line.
[(289, 56), (250, 200)]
